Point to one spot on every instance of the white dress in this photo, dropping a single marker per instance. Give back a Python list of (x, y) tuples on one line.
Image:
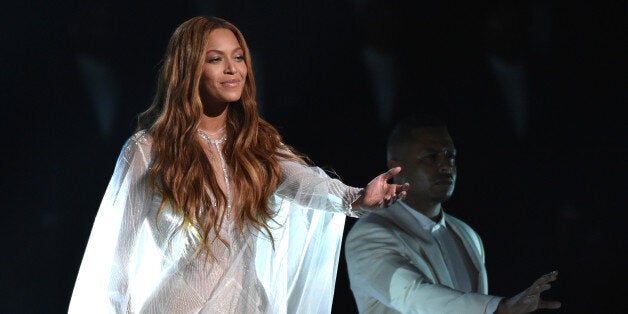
[(138, 262)]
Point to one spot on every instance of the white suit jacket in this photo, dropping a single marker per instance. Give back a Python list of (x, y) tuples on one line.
[(394, 266)]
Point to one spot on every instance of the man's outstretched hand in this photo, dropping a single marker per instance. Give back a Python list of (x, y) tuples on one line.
[(529, 300)]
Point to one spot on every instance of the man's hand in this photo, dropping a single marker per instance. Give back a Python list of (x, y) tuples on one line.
[(529, 300)]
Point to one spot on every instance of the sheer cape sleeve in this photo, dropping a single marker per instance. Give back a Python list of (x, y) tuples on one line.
[(299, 274), (102, 284)]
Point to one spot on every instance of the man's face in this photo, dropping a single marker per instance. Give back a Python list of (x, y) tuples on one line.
[(428, 163)]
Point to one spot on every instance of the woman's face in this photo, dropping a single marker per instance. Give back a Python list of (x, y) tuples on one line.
[(224, 69)]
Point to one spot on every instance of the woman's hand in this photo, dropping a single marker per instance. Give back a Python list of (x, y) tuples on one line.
[(379, 193)]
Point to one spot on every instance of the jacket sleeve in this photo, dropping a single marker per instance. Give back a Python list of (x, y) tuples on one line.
[(382, 275)]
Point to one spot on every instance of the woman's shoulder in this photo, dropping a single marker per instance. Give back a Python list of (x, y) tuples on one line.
[(141, 137), (140, 141)]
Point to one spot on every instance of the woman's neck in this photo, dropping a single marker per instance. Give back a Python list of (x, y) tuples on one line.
[(214, 122)]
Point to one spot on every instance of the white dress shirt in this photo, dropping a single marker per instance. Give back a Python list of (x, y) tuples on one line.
[(457, 261)]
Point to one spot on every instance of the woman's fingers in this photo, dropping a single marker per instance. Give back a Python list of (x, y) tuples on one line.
[(391, 173)]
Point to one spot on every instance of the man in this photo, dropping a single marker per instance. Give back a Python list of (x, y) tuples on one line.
[(413, 257)]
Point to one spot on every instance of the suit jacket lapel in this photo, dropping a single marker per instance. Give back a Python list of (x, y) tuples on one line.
[(420, 241), (467, 240), (474, 248)]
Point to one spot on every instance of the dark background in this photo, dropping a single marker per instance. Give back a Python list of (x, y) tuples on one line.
[(532, 91)]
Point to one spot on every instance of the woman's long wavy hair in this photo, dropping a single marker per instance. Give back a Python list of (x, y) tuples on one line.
[(181, 172)]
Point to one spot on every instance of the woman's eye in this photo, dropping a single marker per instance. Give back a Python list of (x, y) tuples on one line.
[(239, 57), (213, 60)]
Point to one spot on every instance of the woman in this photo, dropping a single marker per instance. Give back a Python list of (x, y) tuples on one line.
[(207, 210)]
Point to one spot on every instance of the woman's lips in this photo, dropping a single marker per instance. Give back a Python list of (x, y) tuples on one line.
[(231, 83)]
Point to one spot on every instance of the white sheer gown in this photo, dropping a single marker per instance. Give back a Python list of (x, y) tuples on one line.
[(136, 262)]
